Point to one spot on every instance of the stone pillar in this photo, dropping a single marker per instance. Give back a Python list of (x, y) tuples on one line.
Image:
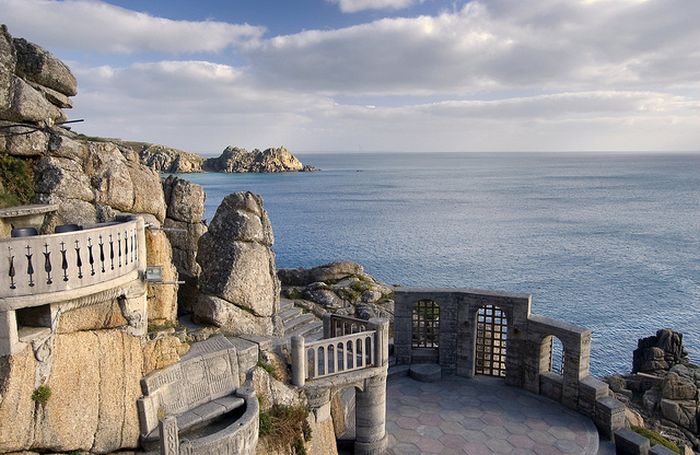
[(298, 361), (9, 341), (327, 328), (169, 439), (381, 340), (370, 417), (403, 306)]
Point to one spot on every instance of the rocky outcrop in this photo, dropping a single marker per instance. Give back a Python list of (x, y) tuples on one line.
[(235, 159), (238, 268), (339, 287), (34, 85), (167, 159), (663, 387), (184, 227), (659, 353)]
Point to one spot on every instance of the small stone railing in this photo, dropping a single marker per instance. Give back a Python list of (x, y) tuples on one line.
[(345, 353), (335, 325), (71, 261)]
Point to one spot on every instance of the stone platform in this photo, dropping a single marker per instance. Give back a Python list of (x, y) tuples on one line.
[(481, 416)]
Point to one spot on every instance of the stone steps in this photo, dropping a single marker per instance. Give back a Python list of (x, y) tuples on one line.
[(289, 314), (300, 320)]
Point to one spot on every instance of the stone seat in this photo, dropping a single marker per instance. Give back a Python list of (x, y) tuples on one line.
[(199, 416)]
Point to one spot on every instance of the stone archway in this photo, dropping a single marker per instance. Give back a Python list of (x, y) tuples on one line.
[(491, 341)]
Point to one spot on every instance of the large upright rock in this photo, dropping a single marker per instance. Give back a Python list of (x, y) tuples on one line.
[(656, 354), (8, 62), (238, 265), (36, 64)]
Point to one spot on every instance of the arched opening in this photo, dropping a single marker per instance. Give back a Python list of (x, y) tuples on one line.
[(552, 355), (426, 325), (491, 341)]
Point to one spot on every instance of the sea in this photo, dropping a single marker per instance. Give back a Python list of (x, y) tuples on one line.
[(606, 241)]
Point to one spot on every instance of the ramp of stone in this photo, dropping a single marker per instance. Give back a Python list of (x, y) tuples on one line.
[(297, 321), (201, 396), (481, 416)]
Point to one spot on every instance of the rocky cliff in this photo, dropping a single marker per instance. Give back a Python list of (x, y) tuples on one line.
[(167, 159), (76, 389), (235, 159)]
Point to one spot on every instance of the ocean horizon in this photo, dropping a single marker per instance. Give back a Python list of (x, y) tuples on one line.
[(608, 241)]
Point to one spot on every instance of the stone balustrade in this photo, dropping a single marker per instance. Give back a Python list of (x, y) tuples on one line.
[(59, 266), (350, 351)]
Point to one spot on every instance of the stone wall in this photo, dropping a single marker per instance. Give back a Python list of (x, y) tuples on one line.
[(528, 351)]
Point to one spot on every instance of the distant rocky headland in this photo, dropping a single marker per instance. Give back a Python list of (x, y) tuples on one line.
[(166, 159)]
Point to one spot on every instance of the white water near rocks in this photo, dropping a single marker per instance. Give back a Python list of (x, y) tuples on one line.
[(607, 241)]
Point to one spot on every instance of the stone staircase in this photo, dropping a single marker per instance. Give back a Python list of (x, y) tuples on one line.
[(298, 321)]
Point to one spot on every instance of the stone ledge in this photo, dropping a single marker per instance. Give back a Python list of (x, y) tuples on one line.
[(627, 442), (425, 372)]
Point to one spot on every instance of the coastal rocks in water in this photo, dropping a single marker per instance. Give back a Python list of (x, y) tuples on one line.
[(167, 159), (339, 287), (238, 266), (663, 387), (659, 353), (235, 159)]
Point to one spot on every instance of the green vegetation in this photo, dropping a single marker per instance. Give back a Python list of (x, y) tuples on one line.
[(656, 438), (351, 295), (294, 294), (269, 368), (360, 286), (42, 394), (16, 181), (286, 426)]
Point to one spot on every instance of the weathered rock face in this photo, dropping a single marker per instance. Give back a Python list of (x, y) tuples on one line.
[(34, 85), (235, 159), (184, 227), (238, 266), (93, 395), (166, 159), (659, 353), (162, 299), (339, 287)]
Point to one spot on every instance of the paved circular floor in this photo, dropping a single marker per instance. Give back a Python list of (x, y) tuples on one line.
[(481, 416)]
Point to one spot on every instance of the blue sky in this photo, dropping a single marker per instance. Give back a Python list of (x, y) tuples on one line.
[(384, 75)]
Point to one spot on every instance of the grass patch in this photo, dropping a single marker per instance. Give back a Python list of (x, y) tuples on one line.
[(294, 294), (16, 181), (269, 368), (351, 295), (286, 426), (360, 286), (656, 438), (41, 395)]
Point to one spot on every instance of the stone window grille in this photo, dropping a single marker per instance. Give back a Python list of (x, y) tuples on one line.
[(491, 340), (426, 325), (556, 356)]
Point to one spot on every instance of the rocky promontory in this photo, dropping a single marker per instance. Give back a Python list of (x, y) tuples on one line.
[(161, 158), (236, 159)]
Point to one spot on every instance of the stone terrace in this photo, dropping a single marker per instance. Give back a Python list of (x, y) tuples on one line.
[(481, 416)]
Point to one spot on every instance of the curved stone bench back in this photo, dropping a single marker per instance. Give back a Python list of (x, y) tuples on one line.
[(208, 372)]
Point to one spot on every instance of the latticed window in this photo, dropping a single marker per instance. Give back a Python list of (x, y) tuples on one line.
[(426, 324), (491, 339)]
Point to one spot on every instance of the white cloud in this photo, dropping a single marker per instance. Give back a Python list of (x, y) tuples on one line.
[(495, 45), (99, 26), (354, 6)]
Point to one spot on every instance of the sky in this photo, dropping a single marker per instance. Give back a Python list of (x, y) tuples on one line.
[(379, 75)]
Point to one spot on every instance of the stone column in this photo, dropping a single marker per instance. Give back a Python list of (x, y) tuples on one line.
[(298, 361), (381, 340), (169, 439), (327, 328), (370, 417)]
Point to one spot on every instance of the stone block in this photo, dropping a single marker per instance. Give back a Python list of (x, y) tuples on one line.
[(609, 416), (551, 386), (627, 442), (658, 449), (590, 390), (247, 353)]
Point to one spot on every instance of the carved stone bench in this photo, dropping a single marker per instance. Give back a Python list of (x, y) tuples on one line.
[(196, 392)]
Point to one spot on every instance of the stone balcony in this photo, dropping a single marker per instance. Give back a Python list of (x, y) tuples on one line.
[(41, 273)]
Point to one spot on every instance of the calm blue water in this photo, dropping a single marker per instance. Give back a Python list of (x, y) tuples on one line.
[(610, 242)]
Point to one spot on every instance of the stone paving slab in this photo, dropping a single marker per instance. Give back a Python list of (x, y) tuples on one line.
[(481, 416)]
